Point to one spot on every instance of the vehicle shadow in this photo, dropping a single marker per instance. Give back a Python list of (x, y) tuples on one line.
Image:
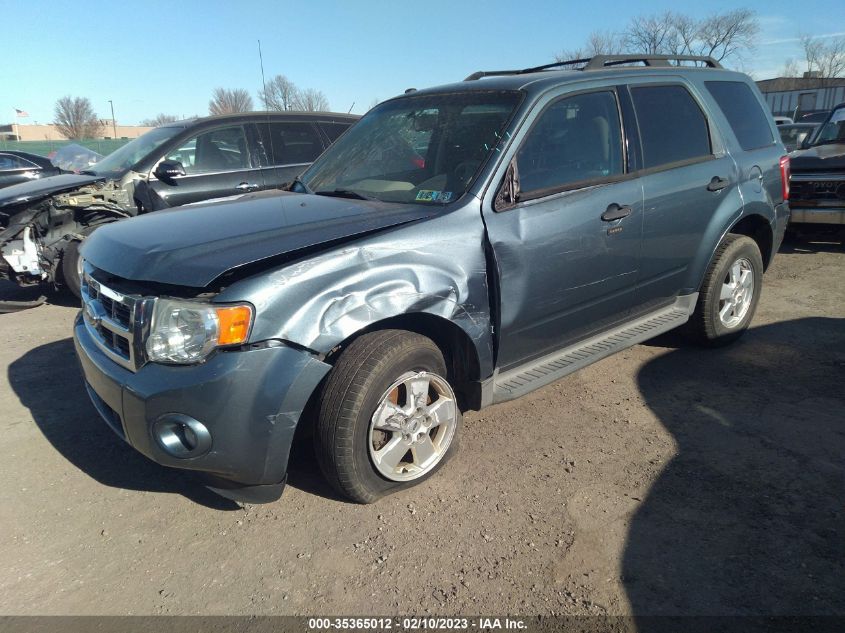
[(11, 292), (813, 239), (48, 381), (303, 470), (748, 518)]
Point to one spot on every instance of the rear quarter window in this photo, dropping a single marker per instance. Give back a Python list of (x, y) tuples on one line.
[(333, 130), (672, 126), (748, 120)]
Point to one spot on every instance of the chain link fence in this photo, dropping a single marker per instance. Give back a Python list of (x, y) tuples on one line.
[(43, 148)]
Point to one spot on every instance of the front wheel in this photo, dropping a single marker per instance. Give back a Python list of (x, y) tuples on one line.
[(729, 294), (72, 268), (388, 417)]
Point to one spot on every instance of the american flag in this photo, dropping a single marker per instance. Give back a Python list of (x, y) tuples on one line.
[(21, 113)]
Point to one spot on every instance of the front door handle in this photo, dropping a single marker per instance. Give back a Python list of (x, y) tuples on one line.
[(247, 186), (717, 183), (615, 212)]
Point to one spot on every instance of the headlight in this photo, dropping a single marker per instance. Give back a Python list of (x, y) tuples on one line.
[(187, 332)]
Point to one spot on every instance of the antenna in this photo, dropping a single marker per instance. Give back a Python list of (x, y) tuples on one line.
[(350, 107), (263, 82)]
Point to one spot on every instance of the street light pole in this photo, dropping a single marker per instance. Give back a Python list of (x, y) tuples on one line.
[(113, 123)]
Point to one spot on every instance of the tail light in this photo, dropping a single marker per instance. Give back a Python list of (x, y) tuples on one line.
[(784, 177)]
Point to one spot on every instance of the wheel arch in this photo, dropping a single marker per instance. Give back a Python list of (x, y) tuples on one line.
[(751, 223), (759, 229), (458, 349)]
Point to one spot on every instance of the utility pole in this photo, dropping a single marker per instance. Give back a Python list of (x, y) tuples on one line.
[(113, 123)]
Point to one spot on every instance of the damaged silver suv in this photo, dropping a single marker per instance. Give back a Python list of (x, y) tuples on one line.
[(458, 247)]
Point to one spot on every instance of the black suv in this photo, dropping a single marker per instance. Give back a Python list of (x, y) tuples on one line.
[(42, 222)]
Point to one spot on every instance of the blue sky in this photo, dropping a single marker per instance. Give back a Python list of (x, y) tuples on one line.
[(150, 57)]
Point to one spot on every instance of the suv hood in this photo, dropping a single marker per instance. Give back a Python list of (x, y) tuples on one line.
[(39, 189), (193, 247), (821, 158)]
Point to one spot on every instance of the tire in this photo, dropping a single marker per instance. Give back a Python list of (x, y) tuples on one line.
[(371, 384), (714, 322), (70, 268)]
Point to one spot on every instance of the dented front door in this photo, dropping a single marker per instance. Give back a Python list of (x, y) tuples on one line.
[(568, 252)]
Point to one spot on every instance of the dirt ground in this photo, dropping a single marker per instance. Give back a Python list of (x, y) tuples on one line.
[(664, 480)]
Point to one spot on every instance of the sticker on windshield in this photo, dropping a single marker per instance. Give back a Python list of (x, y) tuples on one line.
[(427, 195)]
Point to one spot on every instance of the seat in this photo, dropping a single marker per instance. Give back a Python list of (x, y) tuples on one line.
[(210, 157)]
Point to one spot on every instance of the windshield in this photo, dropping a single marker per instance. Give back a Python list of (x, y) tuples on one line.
[(425, 149), (120, 160), (833, 131)]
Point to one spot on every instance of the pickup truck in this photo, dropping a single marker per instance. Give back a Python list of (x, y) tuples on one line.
[(817, 184)]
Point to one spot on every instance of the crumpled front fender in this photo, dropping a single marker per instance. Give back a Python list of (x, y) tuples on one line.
[(435, 267)]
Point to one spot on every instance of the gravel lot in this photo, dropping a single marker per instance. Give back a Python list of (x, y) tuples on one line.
[(664, 480)]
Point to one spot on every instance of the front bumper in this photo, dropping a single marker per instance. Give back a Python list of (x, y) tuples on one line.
[(250, 401)]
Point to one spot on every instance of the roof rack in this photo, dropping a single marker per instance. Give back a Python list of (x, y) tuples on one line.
[(597, 62)]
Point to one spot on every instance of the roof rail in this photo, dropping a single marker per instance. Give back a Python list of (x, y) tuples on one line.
[(603, 61), (597, 62)]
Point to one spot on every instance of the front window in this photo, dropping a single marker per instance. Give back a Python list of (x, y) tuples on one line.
[(833, 130), (223, 149), (576, 140), (121, 160), (421, 149), (10, 162)]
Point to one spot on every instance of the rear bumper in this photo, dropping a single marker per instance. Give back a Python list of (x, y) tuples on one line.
[(249, 402), (818, 215)]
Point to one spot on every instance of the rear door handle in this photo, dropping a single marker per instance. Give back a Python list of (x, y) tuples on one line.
[(717, 183), (615, 212), (247, 186)]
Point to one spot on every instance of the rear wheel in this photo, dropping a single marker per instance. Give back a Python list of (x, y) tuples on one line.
[(730, 292), (388, 416)]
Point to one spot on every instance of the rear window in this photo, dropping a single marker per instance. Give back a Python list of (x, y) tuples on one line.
[(744, 113), (672, 126)]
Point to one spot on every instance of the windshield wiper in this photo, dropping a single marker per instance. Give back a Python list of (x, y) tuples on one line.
[(344, 193), (88, 172)]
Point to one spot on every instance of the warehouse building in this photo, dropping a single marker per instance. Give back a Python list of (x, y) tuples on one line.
[(795, 96)]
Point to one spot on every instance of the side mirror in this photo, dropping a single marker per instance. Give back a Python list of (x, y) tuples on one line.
[(169, 169)]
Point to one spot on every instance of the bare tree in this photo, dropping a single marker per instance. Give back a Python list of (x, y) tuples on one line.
[(653, 34), (225, 101), (790, 69), (75, 118), (686, 35), (727, 35), (160, 119), (825, 58), (280, 93), (311, 100), (599, 43)]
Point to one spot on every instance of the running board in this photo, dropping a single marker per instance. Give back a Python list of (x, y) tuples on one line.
[(539, 373)]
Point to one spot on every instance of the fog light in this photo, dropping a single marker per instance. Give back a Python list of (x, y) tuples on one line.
[(181, 436)]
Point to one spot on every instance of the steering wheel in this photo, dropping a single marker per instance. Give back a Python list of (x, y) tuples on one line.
[(465, 170)]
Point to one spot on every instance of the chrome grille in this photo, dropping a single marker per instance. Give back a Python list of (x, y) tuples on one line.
[(829, 187), (110, 318)]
